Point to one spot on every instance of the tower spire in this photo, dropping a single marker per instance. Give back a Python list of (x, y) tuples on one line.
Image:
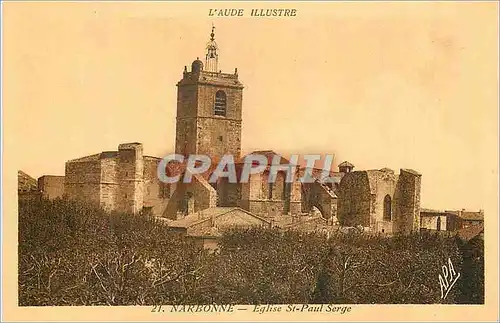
[(212, 57)]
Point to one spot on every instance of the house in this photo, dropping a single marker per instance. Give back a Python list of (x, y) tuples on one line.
[(433, 219), (463, 219), (206, 226)]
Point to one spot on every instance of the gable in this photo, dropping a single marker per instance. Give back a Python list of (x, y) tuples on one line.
[(239, 218)]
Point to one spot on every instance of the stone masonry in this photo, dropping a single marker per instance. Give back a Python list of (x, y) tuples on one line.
[(380, 201), (209, 122), (117, 180)]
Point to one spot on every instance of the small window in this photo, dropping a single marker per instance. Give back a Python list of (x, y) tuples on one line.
[(220, 138), (220, 104), (387, 208), (270, 191)]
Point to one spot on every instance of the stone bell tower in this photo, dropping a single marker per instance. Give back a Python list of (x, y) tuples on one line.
[(209, 108)]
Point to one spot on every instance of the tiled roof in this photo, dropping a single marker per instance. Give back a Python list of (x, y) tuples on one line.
[(429, 210), (468, 215), (469, 233), (205, 215), (472, 216), (269, 154)]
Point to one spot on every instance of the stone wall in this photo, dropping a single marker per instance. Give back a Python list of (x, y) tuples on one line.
[(122, 180), (354, 203), (199, 130), (187, 103), (431, 222), (258, 197), (382, 185), (190, 197), (218, 136), (362, 196), (51, 186), (109, 188), (82, 180), (156, 193), (407, 202), (229, 194), (322, 197), (130, 177)]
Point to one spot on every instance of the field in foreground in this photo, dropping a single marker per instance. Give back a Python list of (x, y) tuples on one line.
[(71, 254)]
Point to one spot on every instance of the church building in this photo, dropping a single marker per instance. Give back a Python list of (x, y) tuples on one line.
[(209, 122)]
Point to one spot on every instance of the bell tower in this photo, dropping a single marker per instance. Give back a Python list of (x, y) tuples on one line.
[(209, 108)]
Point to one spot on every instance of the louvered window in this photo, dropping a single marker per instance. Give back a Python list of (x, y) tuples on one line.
[(220, 104)]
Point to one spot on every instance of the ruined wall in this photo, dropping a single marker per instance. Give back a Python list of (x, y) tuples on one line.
[(251, 191), (156, 193), (190, 197), (51, 186), (407, 202), (229, 194), (296, 198), (354, 200), (321, 196), (258, 197)]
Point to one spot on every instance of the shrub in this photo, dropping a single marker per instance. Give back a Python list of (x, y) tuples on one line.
[(75, 254)]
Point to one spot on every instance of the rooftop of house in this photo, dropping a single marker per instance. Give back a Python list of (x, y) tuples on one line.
[(468, 215), (430, 211), (469, 233), (269, 154), (205, 215)]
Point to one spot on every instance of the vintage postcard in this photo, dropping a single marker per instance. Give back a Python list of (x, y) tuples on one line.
[(250, 161)]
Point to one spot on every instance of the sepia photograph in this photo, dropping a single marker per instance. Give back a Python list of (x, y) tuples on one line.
[(196, 161)]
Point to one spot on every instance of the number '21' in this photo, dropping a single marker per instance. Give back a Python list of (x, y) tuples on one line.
[(157, 308)]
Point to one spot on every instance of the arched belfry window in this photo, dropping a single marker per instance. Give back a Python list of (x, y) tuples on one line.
[(387, 208), (220, 104)]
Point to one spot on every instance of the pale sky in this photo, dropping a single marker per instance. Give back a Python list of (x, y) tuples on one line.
[(398, 85)]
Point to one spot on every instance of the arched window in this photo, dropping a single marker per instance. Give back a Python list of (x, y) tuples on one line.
[(387, 208), (220, 104)]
